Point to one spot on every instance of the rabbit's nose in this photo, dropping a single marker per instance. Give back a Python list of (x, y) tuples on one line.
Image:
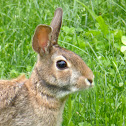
[(90, 80)]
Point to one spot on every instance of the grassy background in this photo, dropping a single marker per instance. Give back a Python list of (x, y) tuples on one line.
[(92, 29)]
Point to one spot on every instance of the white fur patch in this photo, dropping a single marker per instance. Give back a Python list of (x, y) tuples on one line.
[(62, 94), (74, 89)]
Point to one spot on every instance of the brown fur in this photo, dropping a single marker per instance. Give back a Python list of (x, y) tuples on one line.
[(39, 100)]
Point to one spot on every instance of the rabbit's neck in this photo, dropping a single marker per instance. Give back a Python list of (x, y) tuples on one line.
[(44, 92), (45, 105)]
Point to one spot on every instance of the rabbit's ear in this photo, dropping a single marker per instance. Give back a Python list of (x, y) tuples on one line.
[(42, 38), (56, 25)]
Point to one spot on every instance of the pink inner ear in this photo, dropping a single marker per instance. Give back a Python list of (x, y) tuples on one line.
[(43, 38)]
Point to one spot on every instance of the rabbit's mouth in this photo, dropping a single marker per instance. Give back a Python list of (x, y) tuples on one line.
[(74, 88)]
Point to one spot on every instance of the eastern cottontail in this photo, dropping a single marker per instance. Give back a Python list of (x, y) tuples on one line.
[(39, 100)]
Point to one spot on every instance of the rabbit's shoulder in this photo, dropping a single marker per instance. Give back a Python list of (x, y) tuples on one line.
[(9, 89)]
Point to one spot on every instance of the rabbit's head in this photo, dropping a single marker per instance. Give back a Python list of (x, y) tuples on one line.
[(61, 70)]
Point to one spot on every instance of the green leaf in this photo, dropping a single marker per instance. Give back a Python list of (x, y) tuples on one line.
[(102, 24), (13, 73), (79, 29), (68, 30), (68, 38), (84, 124), (71, 124), (125, 55), (123, 39), (118, 33), (94, 32), (123, 49), (1, 30), (121, 84)]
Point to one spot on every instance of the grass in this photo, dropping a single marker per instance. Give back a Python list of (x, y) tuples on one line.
[(92, 29)]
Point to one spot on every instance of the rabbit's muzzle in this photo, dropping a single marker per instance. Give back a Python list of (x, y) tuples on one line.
[(83, 82)]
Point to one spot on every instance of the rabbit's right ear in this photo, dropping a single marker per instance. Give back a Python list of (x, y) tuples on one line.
[(42, 39), (56, 25)]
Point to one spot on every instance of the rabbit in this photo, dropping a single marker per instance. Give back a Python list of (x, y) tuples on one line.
[(58, 72)]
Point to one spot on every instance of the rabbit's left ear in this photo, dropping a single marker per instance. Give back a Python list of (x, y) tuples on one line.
[(42, 38)]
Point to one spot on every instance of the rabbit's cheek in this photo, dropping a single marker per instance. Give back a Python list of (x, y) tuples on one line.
[(74, 77), (83, 83), (63, 77)]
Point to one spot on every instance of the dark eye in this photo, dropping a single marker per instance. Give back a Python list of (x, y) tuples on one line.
[(61, 64)]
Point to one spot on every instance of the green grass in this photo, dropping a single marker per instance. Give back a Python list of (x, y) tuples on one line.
[(92, 29)]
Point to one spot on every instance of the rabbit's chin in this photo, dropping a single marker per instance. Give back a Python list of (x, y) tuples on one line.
[(83, 84), (62, 94)]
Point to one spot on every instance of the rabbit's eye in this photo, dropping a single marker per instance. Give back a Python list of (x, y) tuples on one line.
[(61, 64)]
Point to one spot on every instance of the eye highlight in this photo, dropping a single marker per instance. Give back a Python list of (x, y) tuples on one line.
[(61, 64)]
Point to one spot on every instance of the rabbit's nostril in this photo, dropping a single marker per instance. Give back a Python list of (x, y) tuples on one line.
[(90, 80)]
